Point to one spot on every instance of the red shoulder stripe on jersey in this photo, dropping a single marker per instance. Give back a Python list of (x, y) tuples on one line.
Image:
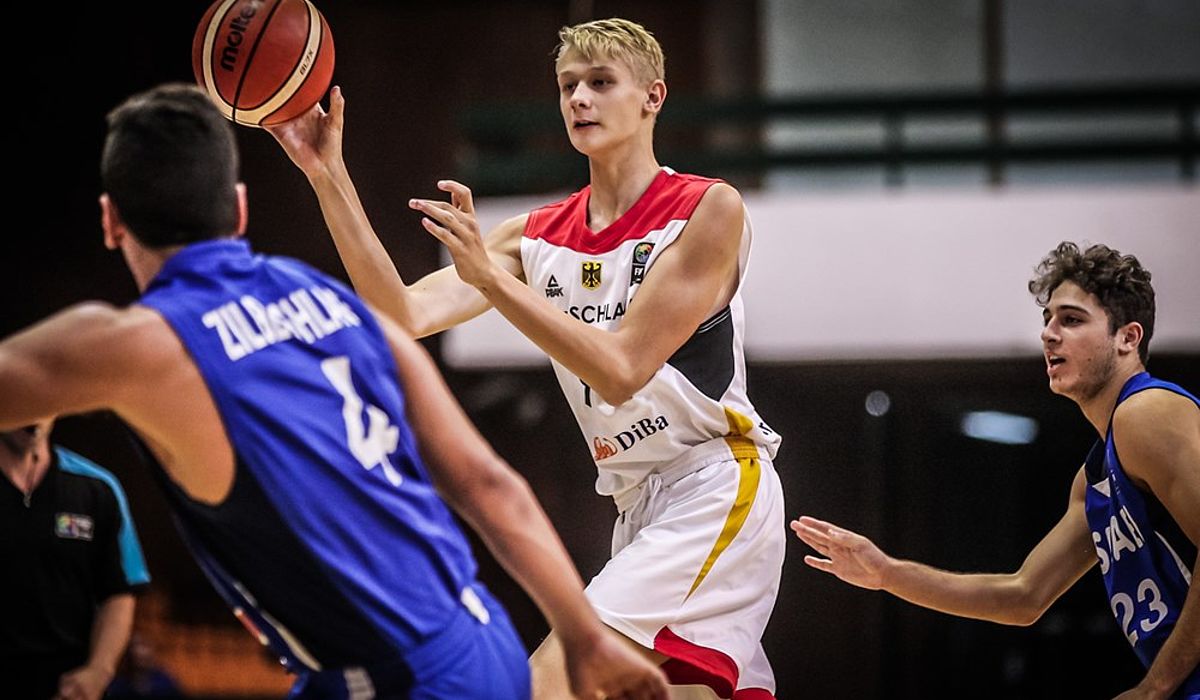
[(670, 196)]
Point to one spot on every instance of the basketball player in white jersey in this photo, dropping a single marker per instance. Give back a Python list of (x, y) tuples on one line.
[(658, 385)]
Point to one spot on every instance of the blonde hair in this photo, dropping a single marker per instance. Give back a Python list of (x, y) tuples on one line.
[(616, 38)]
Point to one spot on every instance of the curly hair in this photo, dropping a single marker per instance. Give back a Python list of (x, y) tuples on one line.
[(1119, 281)]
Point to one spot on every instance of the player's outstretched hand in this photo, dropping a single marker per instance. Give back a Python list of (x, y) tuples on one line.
[(454, 224), (607, 667), (845, 554), (313, 140)]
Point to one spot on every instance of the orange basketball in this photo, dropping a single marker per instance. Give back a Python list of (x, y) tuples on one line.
[(263, 61)]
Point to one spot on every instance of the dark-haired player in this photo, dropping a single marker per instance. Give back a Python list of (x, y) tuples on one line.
[(304, 444), (1134, 505)]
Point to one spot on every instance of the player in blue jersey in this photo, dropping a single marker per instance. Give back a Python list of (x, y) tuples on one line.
[(304, 444), (1134, 505)]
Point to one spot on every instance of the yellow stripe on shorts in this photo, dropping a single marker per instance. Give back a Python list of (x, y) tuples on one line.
[(746, 453)]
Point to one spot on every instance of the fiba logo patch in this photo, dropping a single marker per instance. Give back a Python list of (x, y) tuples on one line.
[(72, 526), (590, 274), (641, 254)]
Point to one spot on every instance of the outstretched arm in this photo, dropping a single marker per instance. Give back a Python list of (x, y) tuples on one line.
[(501, 508), (691, 280), (1062, 556), (1157, 434), (438, 301)]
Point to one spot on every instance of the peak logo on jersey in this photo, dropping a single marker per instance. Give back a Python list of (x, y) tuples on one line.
[(590, 274), (644, 428), (641, 254), (72, 526), (553, 289)]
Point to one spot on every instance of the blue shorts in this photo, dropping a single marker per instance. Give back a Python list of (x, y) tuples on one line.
[(468, 660)]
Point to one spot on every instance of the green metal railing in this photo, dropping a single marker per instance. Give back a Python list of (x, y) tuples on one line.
[(521, 147)]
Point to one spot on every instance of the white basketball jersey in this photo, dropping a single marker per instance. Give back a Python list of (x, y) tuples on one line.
[(698, 396)]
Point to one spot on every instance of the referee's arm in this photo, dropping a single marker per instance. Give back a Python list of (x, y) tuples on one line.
[(110, 635), (120, 572)]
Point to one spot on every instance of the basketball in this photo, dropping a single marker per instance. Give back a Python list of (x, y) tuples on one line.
[(263, 61)]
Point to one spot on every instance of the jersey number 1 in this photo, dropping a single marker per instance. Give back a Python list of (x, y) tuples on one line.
[(371, 446)]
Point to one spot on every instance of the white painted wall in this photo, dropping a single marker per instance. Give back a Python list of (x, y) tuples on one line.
[(916, 274)]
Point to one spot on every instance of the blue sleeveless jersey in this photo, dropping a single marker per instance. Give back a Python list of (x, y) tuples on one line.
[(332, 546), (1145, 557)]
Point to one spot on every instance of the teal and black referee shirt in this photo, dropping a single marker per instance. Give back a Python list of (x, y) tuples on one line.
[(65, 549)]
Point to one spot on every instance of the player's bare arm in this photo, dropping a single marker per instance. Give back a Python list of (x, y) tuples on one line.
[(500, 506), (438, 301), (1157, 434), (93, 356), (693, 279), (52, 368), (1020, 598)]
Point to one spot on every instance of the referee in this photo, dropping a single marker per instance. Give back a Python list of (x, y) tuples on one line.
[(71, 563)]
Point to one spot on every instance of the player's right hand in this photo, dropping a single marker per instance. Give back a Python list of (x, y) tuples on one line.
[(313, 140), (608, 667), (847, 555)]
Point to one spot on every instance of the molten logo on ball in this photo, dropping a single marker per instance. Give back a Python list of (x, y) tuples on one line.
[(263, 62), (237, 34)]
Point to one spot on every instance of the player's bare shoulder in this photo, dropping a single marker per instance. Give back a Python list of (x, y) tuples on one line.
[(1151, 427), (117, 342), (722, 197), (1155, 412), (714, 232), (719, 217), (87, 357)]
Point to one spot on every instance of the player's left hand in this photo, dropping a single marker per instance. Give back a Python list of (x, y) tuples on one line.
[(313, 140), (454, 224), (846, 554), (84, 683), (607, 667)]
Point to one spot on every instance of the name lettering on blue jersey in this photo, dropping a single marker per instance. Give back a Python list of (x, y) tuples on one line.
[(1115, 539), (248, 325)]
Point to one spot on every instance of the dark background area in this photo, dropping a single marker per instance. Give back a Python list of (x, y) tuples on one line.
[(908, 478)]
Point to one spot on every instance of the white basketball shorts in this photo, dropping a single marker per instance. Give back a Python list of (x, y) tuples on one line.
[(696, 558)]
